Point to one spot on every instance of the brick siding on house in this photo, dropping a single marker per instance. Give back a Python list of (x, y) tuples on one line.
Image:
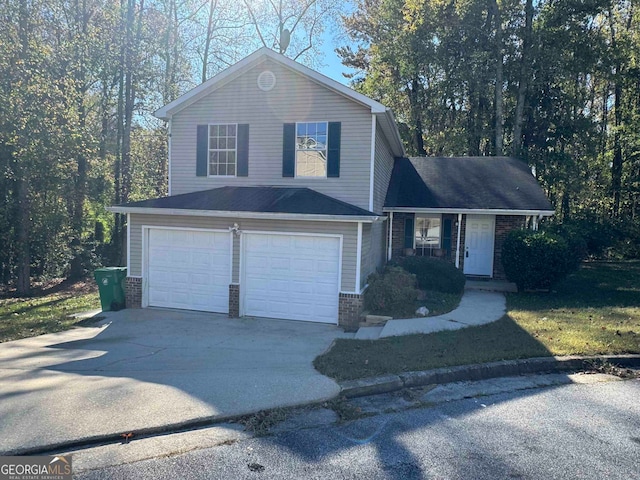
[(349, 311), (504, 224), (397, 233), (234, 301), (133, 292)]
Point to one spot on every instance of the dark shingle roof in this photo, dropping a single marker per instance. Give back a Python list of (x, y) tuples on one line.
[(256, 199), (501, 183)]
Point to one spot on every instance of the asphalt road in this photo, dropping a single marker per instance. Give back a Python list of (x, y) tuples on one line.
[(571, 431)]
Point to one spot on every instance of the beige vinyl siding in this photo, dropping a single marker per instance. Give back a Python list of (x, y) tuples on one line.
[(373, 250), (379, 244), (294, 99), (366, 265), (383, 167), (347, 230)]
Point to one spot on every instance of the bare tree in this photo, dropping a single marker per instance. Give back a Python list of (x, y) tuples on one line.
[(292, 27)]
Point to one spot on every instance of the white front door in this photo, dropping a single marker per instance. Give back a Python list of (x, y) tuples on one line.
[(478, 245), (291, 276), (188, 269)]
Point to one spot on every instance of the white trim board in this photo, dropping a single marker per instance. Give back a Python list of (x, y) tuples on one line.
[(358, 257)]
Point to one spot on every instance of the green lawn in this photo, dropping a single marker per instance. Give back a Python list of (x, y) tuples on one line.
[(46, 313), (437, 303), (594, 311)]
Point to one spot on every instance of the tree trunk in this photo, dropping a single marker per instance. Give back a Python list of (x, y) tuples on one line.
[(23, 286), (499, 59), (416, 120), (207, 41), (616, 166), (523, 83), (77, 221)]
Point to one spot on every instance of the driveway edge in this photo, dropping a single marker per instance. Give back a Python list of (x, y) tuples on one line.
[(504, 368), (363, 387)]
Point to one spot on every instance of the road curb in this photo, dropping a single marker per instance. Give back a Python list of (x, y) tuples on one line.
[(464, 373)]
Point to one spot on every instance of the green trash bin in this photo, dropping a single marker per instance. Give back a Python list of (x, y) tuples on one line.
[(110, 282)]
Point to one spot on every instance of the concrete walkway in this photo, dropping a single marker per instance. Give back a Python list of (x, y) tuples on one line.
[(150, 368), (477, 307)]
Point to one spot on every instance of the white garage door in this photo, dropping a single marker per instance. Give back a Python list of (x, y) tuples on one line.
[(189, 269), (293, 277)]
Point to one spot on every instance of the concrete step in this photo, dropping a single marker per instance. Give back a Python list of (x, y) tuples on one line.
[(368, 333), (491, 286)]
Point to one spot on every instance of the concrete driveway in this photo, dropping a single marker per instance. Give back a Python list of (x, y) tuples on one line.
[(150, 368)]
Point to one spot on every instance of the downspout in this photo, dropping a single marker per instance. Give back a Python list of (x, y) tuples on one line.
[(390, 242), (372, 161), (358, 258), (169, 159), (458, 242), (128, 244)]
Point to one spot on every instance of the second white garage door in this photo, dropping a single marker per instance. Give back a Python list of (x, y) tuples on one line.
[(294, 277), (189, 269)]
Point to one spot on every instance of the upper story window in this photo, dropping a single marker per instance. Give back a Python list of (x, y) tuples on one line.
[(223, 146), (311, 149)]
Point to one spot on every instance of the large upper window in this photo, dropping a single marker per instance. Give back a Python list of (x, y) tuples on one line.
[(427, 234), (311, 149), (222, 150)]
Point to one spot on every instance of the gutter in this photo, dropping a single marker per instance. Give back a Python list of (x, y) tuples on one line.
[(236, 214), (477, 211)]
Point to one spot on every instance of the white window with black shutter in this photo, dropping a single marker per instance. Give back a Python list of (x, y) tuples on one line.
[(222, 150), (311, 150)]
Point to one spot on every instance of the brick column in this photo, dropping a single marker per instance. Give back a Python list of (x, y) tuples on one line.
[(349, 310), (234, 301), (133, 292)]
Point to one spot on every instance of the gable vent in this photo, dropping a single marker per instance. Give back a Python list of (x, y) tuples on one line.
[(266, 80)]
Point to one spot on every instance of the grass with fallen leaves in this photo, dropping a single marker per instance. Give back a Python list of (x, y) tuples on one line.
[(47, 311)]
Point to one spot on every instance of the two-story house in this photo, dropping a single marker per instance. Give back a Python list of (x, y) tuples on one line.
[(288, 189)]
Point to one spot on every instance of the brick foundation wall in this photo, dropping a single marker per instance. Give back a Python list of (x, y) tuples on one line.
[(133, 292), (504, 224), (349, 310), (234, 301)]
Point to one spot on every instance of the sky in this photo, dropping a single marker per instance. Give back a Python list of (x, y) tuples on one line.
[(330, 41), (333, 66)]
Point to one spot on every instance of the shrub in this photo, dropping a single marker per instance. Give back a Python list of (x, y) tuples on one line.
[(535, 259), (393, 291), (434, 274), (576, 243)]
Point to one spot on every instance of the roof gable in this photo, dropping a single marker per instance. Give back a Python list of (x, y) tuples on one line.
[(465, 183), (251, 61)]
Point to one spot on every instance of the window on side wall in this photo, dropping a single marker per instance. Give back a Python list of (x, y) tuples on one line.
[(223, 145), (311, 149), (428, 233)]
